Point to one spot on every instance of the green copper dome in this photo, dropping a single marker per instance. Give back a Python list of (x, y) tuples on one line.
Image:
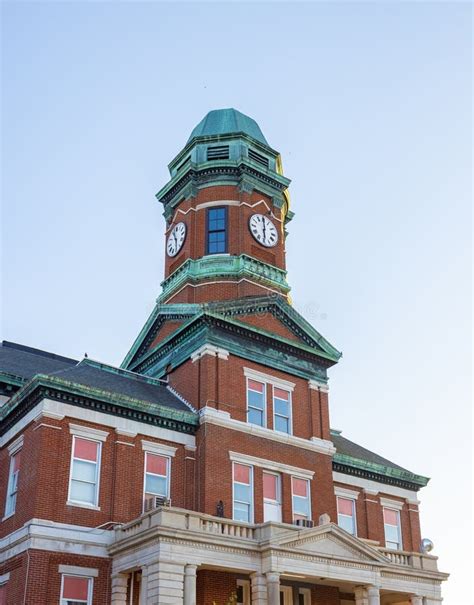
[(227, 121)]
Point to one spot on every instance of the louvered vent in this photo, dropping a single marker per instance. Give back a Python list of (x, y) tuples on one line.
[(221, 152), (183, 163), (256, 157)]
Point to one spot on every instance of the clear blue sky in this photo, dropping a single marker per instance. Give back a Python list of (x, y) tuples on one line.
[(369, 105)]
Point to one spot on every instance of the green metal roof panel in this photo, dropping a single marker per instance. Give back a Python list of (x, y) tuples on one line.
[(227, 121)]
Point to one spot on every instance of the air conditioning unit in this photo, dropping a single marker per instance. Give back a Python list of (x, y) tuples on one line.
[(152, 502), (304, 523)]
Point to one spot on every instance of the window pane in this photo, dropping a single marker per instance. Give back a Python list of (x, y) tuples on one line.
[(255, 417), (390, 516), (300, 487), (242, 473), (346, 523), (391, 533), (75, 588), (270, 486), (256, 386), (16, 462), (256, 400), (156, 485), (241, 512), (85, 471), (345, 506), (281, 394), (300, 505), (156, 464), (242, 492), (392, 545), (282, 424), (85, 449), (281, 407), (83, 492)]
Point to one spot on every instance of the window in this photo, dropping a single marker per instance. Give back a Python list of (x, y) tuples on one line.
[(281, 410), (301, 502), (346, 514), (12, 488), (271, 497), (256, 402), (157, 472), (242, 492), (76, 590), (391, 521), (243, 592), (3, 588), (85, 469), (216, 230)]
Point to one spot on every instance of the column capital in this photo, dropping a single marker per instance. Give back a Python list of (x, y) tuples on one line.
[(190, 570), (416, 600), (273, 576)]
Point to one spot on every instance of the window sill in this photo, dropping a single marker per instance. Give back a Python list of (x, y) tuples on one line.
[(83, 505), (8, 516)]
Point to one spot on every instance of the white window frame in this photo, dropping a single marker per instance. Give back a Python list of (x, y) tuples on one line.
[(354, 511), (81, 503), (399, 527), (290, 409), (278, 501), (168, 474), (264, 412), (90, 588), (12, 487), (251, 503), (306, 593), (308, 481)]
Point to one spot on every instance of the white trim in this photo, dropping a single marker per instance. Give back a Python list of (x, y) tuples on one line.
[(293, 495), (4, 578), (354, 510), (216, 203), (269, 378), (52, 415), (74, 570), (246, 589), (41, 534), (209, 349), (223, 281), (395, 504), (125, 443), (88, 432), (342, 492), (219, 418), (16, 446), (158, 448), (126, 432), (300, 473), (59, 409), (316, 385), (374, 488), (82, 505), (90, 590)]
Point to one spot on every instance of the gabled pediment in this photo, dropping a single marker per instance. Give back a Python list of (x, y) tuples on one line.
[(329, 541)]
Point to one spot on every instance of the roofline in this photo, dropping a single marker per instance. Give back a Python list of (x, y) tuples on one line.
[(15, 345)]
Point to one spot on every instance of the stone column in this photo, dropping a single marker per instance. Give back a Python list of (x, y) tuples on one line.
[(165, 584), (361, 597), (273, 588), (373, 595), (190, 584), (259, 589), (416, 600), (119, 589), (144, 586)]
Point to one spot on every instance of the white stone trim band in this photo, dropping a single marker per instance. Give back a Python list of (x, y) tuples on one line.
[(271, 465), (268, 378), (74, 570), (88, 432), (158, 448)]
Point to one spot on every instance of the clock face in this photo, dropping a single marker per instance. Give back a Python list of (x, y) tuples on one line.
[(176, 239), (263, 230)]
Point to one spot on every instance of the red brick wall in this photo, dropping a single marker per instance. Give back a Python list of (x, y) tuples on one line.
[(44, 477), (44, 580)]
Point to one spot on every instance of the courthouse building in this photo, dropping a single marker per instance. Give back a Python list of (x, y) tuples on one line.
[(204, 470)]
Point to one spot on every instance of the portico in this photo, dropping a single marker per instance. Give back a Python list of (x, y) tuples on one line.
[(275, 563)]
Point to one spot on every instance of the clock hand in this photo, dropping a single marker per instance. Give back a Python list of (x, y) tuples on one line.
[(264, 231)]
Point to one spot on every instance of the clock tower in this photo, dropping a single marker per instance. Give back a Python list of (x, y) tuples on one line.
[(226, 206)]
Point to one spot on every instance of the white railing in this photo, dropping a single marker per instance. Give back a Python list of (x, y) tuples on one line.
[(397, 557), (226, 527)]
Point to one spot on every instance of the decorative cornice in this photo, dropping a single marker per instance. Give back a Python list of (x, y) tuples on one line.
[(208, 349), (223, 266), (377, 472)]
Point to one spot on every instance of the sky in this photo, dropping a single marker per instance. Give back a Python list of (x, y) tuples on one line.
[(369, 105)]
